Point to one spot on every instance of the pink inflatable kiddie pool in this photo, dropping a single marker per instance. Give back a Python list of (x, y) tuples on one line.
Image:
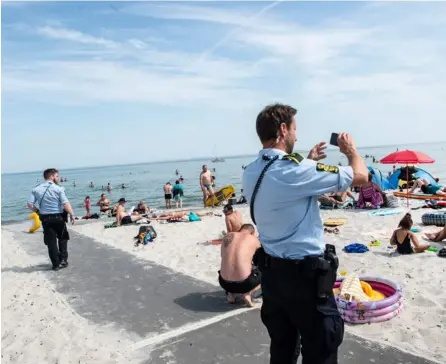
[(372, 311)]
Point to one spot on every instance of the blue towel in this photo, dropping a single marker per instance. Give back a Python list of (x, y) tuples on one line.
[(193, 217), (356, 248)]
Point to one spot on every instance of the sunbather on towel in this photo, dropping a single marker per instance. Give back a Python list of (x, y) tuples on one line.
[(123, 217), (438, 236), (178, 215), (402, 237)]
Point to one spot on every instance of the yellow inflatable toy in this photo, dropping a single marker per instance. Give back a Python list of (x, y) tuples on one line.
[(36, 224)]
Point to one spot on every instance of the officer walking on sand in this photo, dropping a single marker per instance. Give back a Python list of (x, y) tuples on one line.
[(298, 270), (49, 200)]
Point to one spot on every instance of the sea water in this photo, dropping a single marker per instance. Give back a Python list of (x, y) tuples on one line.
[(145, 181)]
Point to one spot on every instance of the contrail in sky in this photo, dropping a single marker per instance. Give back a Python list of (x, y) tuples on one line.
[(232, 32)]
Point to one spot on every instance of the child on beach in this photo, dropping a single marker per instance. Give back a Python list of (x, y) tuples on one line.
[(87, 204), (402, 237)]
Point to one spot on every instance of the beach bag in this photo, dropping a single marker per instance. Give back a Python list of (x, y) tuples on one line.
[(193, 217), (147, 230)]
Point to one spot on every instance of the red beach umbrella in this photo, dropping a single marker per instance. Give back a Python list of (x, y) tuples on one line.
[(407, 157)]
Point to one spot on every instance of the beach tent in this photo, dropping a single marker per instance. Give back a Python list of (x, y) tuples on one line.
[(379, 179), (395, 180)]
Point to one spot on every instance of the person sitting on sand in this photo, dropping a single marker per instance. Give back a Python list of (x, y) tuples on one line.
[(142, 208), (370, 193), (242, 199), (336, 199), (420, 182), (104, 204), (233, 221), (237, 274), (438, 236), (433, 190), (402, 237), (123, 217)]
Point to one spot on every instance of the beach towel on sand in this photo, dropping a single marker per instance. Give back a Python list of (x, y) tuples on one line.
[(193, 217), (356, 248)]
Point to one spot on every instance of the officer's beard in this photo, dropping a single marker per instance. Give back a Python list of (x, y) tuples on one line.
[(289, 146)]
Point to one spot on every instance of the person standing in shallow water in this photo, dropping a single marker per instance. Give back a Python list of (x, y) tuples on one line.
[(206, 184), (49, 201), (178, 192), (168, 195)]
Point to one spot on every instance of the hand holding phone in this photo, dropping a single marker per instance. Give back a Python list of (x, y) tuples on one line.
[(334, 139)]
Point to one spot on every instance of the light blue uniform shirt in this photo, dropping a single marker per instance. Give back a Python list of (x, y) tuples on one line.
[(53, 199), (286, 208)]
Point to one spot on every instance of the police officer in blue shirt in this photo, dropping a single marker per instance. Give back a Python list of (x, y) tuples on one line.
[(298, 270), (49, 201)]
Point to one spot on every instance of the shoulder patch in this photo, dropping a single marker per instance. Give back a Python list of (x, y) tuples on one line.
[(323, 168), (295, 157)]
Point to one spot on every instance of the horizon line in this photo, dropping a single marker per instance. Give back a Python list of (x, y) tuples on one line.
[(209, 157)]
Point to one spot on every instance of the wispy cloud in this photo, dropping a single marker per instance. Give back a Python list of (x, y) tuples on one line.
[(73, 36)]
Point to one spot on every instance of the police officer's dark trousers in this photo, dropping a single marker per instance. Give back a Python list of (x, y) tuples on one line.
[(55, 236), (295, 318)]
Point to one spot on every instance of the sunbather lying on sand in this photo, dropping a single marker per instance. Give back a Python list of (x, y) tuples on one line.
[(403, 236), (438, 236), (178, 215)]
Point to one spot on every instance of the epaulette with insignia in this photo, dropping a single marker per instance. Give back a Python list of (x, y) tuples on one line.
[(323, 168), (295, 157)]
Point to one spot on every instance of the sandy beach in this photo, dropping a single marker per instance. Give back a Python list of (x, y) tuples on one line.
[(40, 325)]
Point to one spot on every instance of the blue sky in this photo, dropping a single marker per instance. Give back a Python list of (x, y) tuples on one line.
[(87, 84)]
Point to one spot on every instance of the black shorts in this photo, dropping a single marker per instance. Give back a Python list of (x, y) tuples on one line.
[(168, 196), (244, 286), (126, 220)]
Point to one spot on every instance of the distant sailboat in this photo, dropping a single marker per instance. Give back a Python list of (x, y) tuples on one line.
[(217, 159)]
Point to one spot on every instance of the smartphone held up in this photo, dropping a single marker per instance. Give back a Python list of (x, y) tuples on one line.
[(334, 139)]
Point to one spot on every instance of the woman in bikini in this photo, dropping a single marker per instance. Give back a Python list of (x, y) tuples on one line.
[(402, 238), (104, 204)]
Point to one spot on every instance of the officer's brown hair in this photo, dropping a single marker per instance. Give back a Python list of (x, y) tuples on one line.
[(270, 118), (47, 173)]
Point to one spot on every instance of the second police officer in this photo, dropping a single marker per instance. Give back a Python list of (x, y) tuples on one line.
[(298, 269)]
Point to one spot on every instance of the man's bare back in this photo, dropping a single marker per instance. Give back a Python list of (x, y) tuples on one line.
[(237, 252), (167, 189), (233, 219)]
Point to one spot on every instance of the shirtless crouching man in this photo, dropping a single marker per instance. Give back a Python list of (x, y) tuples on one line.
[(238, 275), (123, 217), (206, 184)]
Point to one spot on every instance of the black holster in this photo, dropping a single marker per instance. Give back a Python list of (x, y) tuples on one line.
[(325, 269)]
